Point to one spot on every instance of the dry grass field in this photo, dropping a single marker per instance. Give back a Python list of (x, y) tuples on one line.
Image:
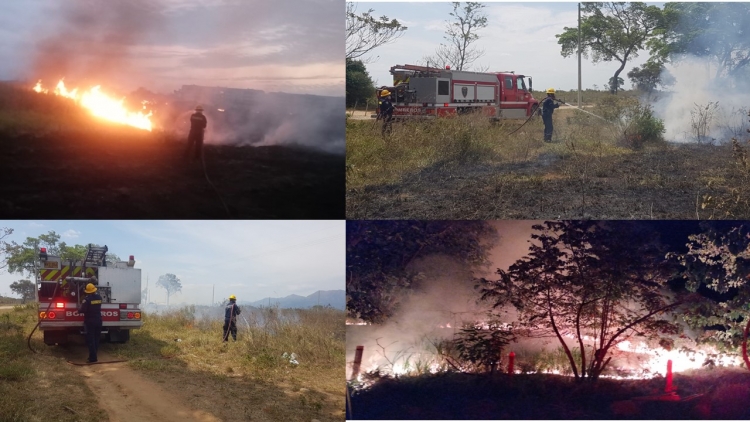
[(179, 358), (469, 168)]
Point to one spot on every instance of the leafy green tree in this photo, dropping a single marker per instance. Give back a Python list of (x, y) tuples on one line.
[(584, 279), (359, 85), (170, 283), (648, 77), (614, 31), (23, 258), (4, 232), (614, 87), (379, 254), (719, 260), (24, 288), (364, 32), (460, 34), (719, 32)]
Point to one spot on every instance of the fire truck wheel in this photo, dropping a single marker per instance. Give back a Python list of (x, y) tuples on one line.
[(118, 336), (55, 337)]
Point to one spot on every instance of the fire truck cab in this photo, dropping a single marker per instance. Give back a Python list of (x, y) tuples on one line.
[(420, 91), (60, 290)]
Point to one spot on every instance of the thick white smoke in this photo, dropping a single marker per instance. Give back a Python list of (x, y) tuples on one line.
[(698, 98)]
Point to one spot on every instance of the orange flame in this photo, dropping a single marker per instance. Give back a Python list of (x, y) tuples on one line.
[(101, 105)]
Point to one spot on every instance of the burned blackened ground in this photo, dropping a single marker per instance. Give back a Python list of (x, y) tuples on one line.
[(114, 172), (725, 393)]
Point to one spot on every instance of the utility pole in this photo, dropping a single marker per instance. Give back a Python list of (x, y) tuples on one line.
[(148, 293), (579, 55)]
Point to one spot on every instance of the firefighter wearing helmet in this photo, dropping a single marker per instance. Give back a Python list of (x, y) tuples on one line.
[(230, 318), (198, 124), (548, 107), (386, 111), (91, 308)]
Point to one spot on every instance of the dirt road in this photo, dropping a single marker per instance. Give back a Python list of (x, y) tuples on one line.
[(126, 396)]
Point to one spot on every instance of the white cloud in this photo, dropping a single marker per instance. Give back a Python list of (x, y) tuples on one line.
[(70, 234)]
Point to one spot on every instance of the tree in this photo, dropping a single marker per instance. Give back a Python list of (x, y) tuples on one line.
[(612, 32), (460, 34), (483, 344), (720, 262), (584, 280), (4, 232), (614, 87), (719, 32), (359, 86), (170, 283), (364, 32), (647, 77), (379, 254), (24, 288), (23, 258)]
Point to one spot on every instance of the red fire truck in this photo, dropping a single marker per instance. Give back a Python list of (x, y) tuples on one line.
[(60, 284), (420, 91)]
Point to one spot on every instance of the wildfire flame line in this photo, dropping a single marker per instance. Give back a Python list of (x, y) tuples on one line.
[(101, 105)]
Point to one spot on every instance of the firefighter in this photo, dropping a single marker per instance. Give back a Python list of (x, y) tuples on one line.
[(386, 111), (230, 318), (198, 124), (548, 107), (91, 308)]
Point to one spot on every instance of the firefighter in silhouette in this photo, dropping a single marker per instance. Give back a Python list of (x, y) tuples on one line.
[(548, 107), (386, 111), (230, 318), (198, 124), (91, 308)]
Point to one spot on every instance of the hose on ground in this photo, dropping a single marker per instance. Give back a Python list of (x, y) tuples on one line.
[(205, 172), (28, 340)]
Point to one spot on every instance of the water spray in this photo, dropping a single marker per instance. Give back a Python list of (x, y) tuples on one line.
[(587, 112)]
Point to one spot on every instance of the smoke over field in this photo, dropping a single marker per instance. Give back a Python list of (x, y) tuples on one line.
[(701, 107)]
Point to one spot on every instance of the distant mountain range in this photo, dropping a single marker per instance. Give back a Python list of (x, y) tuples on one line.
[(334, 298)]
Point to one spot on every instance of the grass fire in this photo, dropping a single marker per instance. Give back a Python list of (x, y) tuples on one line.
[(97, 106), (547, 320)]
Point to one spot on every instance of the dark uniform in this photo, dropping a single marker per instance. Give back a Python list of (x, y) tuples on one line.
[(548, 107), (230, 320), (198, 124), (386, 113), (91, 308)]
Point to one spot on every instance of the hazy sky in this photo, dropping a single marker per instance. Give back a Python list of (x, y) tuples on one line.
[(286, 45), (519, 37), (251, 259)]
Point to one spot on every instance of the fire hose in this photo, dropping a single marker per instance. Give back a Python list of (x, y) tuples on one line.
[(205, 172)]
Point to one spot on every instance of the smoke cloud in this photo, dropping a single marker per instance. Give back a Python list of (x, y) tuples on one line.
[(701, 107), (255, 50)]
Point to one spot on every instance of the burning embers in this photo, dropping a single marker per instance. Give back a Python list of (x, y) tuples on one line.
[(101, 105)]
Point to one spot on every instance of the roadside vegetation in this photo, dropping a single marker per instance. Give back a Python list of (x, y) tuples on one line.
[(31, 385), (183, 351), (616, 166)]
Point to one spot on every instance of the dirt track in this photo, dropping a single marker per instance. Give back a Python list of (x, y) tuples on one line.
[(127, 396), (120, 173)]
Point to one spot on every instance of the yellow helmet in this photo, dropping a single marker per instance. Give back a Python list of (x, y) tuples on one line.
[(90, 288), (550, 90), (232, 297), (385, 93)]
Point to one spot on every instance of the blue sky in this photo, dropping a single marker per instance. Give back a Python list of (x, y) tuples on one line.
[(285, 45), (251, 259), (519, 37)]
